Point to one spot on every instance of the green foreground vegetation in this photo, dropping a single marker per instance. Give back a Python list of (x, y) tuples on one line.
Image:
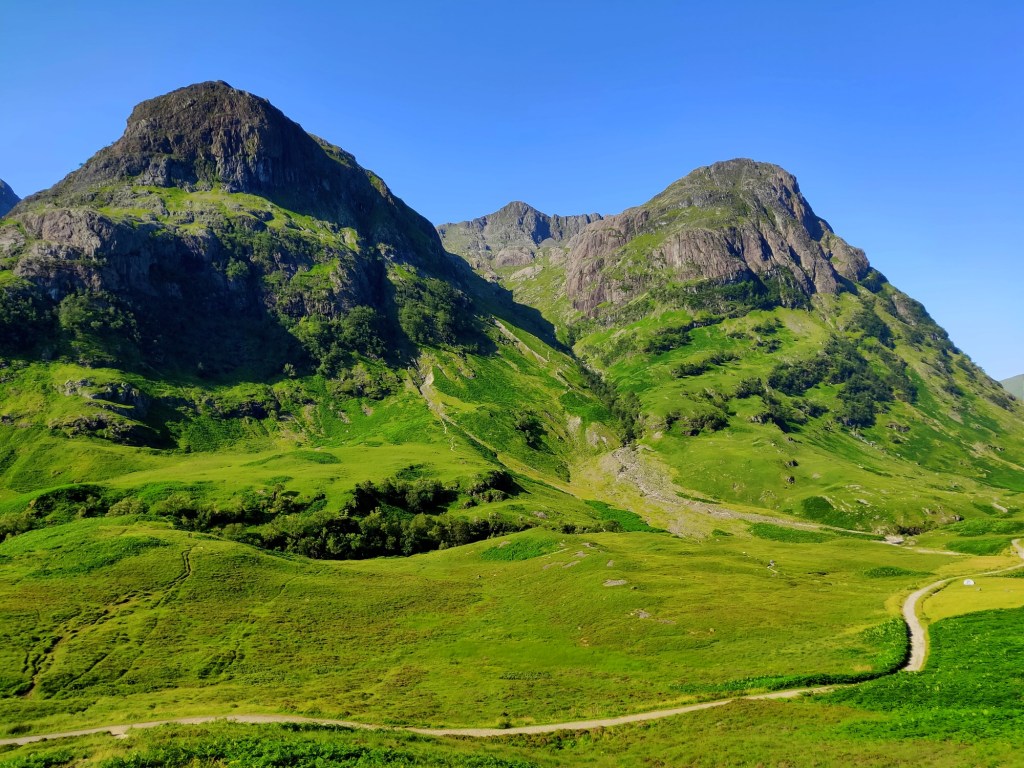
[(963, 710), (111, 618)]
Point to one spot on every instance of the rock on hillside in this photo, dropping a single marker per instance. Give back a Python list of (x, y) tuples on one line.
[(7, 198)]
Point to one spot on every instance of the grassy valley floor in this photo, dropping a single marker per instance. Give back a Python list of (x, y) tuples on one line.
[(109, 620)]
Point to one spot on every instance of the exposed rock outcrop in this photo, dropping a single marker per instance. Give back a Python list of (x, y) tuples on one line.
[(725, 223), (728, 223)]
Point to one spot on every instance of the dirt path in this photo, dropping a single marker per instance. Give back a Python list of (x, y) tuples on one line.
[(918, 634), (120, 731), (918, 652)]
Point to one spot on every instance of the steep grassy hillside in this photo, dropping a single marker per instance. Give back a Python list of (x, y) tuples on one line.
[(227, 322)]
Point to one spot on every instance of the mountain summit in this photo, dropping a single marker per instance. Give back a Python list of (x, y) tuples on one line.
[(213, 136), (512, 235), (731, 222), (216, 234), (737, 226)]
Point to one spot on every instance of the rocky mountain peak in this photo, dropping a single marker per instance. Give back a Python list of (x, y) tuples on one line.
[(154, 227), (738, 221), (213, 136), (512, 235), (742, 184), (7, 198)]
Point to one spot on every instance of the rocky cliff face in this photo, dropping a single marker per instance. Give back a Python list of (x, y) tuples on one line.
[(7, 198), (511, 236), (731, 222), (215, 226), (211, 136), (737, 223)]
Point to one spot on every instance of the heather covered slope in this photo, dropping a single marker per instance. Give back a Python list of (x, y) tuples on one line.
[(769, 363)]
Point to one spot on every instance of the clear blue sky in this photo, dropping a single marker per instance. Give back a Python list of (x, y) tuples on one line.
[(904, 121)]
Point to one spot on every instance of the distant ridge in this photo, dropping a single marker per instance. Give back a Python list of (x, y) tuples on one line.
[(1015, 385)]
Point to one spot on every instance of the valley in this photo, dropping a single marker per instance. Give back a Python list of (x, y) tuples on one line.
[(275, 449)]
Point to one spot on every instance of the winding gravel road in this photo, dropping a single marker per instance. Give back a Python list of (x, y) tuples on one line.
[(918, 652)]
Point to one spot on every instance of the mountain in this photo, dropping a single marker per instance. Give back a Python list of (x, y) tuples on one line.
[(512, 236), (670, 447), (211, 205), (220, 285), (767, 362), (1015, 386), (7, 198), (732, 223), (220, 280)]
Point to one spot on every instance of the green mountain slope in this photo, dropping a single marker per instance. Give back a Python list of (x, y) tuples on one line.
[(769, 363), (228, 322)]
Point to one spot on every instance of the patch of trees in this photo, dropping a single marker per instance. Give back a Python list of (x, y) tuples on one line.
[(667, 339), (868, 322), (863, 392), (703, 365), (624, 406), (787, 416), (704, 418), (26, 317), (91, 327), (433, 312), (530, 427), (751, 387), (733, 299), (874, 281), (400, 515), (384, 531), (61, 505), (332, 342)]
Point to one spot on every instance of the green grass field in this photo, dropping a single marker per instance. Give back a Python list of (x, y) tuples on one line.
[(963, 710), (105, 619)]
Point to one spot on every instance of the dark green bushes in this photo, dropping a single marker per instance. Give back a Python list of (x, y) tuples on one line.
[(625, 407), (667, 339), (433, 312), (703, 365), (26, 319), (333, 342), (402, 515), (863, 391)]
